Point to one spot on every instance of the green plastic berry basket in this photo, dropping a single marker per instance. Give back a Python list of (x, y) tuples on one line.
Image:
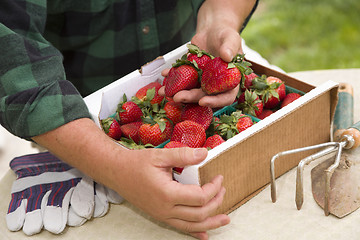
[(162, 144), (231, 108), (293, 90)]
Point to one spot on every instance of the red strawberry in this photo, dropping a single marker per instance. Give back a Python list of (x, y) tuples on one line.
[(131, 131), (265, 113), (248, 81), (128, 111), (164, 81), (213, 141), (199, 114), (111, 127), (190, 133), (174, 144), (289, 98), (150, 93), (250, 103), (243, 123), (173, 111), (230, 125), (182, 76), (219, 76), (199, 56), (155, 132), (281, 90), (270, 89)]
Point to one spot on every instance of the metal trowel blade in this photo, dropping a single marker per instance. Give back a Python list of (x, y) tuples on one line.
[(344, 195)]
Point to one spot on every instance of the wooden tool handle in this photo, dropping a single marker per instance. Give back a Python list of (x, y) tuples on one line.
[(344, 112), (353, 131)]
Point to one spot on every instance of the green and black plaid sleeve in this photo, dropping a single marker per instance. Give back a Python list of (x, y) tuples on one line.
[(35, 96), (50, 50), (53, 53)]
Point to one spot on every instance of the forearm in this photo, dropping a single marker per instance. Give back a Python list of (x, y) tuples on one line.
[(230, 12), (83, 145)]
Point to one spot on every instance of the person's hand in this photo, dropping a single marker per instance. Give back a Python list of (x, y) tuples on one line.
[(221, 39), (197, 95), (148, 184), (142, 177), (217, 32)]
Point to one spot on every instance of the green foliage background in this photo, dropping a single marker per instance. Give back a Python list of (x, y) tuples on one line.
[(299, 35)]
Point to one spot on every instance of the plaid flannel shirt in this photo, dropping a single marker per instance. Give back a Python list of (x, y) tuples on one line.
[(53, 53)]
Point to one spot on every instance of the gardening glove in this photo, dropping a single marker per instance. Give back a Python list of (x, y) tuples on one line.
[(101, 197), (104, 196), (40, 195)]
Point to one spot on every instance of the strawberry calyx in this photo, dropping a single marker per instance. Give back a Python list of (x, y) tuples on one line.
[(183, 61), (226, 126), (243, 66), (152, 121), (129, 143), (150, 94), (119, 106), (193, 49), (250, 103), (106, 124), (265, 89)]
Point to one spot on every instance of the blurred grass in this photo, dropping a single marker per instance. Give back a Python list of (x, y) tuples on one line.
[(301, 35)]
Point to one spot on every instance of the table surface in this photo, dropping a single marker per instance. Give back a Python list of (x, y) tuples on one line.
[(259, 218)]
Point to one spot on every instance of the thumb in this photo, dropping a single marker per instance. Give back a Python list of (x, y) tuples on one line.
[(181, 157), (230, 46)]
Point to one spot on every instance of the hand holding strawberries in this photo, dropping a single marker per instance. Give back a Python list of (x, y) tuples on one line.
[(174, 203), (204, 79)]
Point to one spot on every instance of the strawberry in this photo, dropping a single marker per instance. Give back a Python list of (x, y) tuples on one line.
[(174, 144), (173, 111), (230, 125), (265, 113), (190, 133), (250, 103), (199, 56), (131, 131), (150, 93), (248, 81), (199, 114), (183, 75), (219, 76), (289, 98), (243, 123), (155, 132), (128, 111), (213, 141), (164, 81), (111, 127), (270, 89)]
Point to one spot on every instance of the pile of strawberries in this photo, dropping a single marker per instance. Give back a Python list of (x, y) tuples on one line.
[(149, 119), (260, 96)]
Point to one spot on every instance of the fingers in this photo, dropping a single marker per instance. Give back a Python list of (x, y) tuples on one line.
[(199, 228), (220, 100), (189, 96), (198, 220), (165, 72), (230, 45), (181, 157), (198, 96), (185, 96), (199, 213), (196, 196)]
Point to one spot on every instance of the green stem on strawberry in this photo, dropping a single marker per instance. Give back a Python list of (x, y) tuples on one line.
[(193, 49)]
